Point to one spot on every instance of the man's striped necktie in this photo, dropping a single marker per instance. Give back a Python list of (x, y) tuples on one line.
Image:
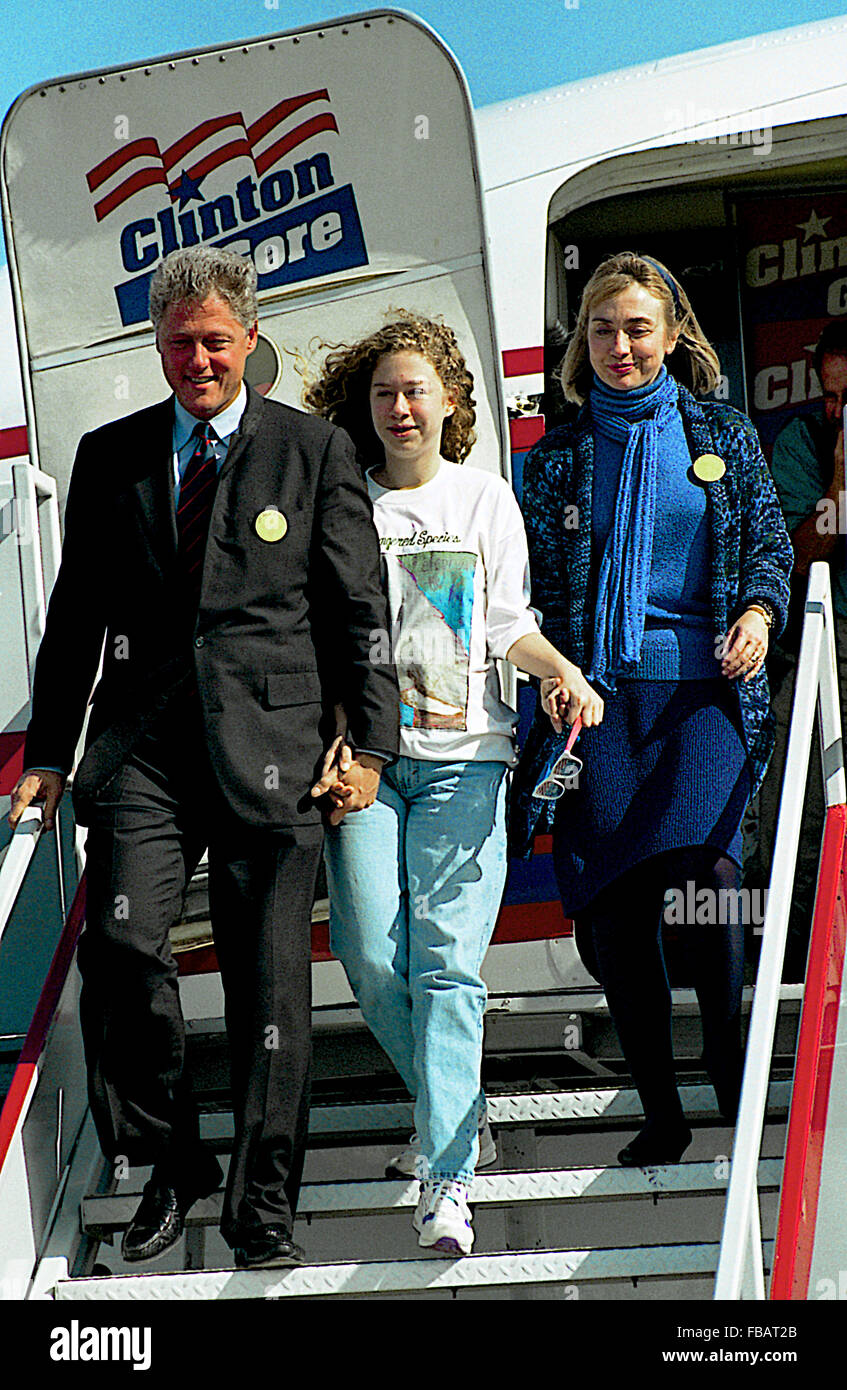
[(194, 510)]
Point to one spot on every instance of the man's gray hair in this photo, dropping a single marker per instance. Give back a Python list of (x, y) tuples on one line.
[(196, 272)]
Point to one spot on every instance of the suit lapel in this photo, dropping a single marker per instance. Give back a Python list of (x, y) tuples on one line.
[(152, 471), (153, 485), (248, 426)]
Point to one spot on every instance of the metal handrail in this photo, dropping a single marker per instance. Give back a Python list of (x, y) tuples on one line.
[(19, 854), (741, 1266), (39, 538), (39, 550)]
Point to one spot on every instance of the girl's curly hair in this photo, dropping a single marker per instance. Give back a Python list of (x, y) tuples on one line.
[(342, 391)]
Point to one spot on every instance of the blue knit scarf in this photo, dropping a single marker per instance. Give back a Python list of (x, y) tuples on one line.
[(635, 419)]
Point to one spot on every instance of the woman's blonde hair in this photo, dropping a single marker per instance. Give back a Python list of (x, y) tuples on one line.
[(693, 361), (342, 392)]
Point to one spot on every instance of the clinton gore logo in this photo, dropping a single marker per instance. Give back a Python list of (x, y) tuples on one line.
[(285, 212)]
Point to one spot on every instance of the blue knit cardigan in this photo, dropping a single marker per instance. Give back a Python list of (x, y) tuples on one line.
[(751, 559)]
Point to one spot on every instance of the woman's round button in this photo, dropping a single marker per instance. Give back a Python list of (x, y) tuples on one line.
[(271, 525), (708, 468)]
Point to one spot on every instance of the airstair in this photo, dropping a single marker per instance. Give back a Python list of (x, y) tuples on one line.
[(556, 1217)]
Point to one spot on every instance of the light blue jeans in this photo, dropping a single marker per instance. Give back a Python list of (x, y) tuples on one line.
[(415, 883)]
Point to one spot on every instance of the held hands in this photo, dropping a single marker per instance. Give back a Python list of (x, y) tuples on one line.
[(350, 783), (745, 647), (40, 786), (566, 697)]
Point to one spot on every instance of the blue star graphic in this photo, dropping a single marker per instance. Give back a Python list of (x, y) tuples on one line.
[(187, 189)]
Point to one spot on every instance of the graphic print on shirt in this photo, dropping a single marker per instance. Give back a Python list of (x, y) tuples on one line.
[(432, 653)]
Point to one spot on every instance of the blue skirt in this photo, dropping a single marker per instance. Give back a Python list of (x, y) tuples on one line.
[(666, 769)]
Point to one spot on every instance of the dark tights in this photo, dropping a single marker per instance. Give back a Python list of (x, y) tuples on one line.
[(619, 939)]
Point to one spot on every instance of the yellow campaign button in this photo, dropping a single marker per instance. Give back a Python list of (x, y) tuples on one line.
[(708, 468), (271, 525)]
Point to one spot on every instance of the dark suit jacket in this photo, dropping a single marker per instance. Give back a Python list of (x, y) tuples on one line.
[(284, 628)]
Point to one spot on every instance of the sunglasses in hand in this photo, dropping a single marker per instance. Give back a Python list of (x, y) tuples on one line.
[(561, 768)]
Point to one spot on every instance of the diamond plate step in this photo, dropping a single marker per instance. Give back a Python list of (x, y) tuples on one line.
[(369, 1278), (103, 1216), (609, 1104)]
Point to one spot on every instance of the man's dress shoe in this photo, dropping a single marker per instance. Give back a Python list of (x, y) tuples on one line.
[(269, 1247), (165, 1203)]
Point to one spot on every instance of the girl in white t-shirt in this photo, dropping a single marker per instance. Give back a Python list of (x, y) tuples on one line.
[(415, 880)]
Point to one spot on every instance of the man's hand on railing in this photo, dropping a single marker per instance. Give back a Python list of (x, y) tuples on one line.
[(37, 785)]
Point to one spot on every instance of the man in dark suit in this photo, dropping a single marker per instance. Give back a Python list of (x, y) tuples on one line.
[(220, 552)]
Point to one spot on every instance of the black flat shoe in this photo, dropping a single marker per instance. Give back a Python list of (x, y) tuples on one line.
[(157, 1225), (269, 1247), (160, 1219), (656, 1143)]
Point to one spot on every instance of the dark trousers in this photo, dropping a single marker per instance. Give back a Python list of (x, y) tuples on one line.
[(148, 831), (619, 939)]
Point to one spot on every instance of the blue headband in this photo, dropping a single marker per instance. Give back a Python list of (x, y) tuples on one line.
[(669, 281)]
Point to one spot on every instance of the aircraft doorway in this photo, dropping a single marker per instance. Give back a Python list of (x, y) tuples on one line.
[(757, 235)]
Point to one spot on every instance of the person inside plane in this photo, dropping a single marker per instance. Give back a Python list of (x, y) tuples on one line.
[(666, 592), (808, 469), (414, 894)]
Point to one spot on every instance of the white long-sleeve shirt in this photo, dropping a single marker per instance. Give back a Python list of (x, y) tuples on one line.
[(455, 555)]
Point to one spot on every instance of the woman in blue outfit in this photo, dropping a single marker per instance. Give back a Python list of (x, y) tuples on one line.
[(666, 593), (416, 879)]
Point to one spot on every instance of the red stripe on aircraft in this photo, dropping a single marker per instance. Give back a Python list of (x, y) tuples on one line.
[(531, 922), (523, 361), (524, 431), (11, 761), (517, 922), (13, 441)]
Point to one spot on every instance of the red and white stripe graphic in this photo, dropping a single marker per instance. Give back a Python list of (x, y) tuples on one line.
[(142, 163)]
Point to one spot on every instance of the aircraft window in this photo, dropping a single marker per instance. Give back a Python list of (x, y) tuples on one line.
[(264, 366)]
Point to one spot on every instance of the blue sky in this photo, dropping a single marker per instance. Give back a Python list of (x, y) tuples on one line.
[(504, 46)]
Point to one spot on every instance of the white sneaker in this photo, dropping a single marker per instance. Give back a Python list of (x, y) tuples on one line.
[(442, 1218), (404, 1164)]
